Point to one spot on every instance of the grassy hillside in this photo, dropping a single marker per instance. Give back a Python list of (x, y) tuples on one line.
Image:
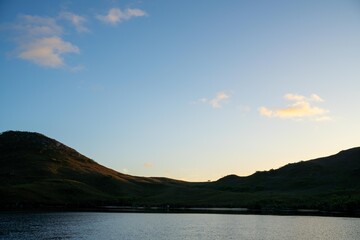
[(40, 171)]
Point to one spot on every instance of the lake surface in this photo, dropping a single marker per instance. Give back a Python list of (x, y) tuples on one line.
[(162, 226)]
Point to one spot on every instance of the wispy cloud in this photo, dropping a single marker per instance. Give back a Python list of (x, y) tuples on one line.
[(46, 51), (36, 26), (219, 99), (116, 15), (39, 41), (216, 101), (148, 165), (301, 108), (76, 20)]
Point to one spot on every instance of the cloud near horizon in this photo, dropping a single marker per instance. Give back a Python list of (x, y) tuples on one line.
[(116, 15), (301, 108), (148, 165), (39, 41)]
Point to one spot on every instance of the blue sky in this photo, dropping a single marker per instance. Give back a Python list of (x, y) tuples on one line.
[(192, 90)]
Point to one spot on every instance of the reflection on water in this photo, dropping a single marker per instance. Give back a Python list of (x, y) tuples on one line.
[(134, 226)]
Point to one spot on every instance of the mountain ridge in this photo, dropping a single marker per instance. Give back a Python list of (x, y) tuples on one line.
[(345, 154), (40, 171)]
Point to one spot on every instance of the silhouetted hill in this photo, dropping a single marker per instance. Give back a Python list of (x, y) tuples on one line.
[(339, 171), (328, 182), (40, 171)]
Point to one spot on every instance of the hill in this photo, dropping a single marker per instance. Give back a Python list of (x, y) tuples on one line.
[(331, 182), (38, 171)]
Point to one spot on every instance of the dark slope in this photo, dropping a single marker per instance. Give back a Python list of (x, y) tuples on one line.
[(328, 182), (37, 171), (341, 170)]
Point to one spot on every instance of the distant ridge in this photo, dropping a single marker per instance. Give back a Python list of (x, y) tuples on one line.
[(37, 171), (344, 162)]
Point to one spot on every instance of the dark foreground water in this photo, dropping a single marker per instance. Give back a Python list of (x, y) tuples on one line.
[(139, 226)]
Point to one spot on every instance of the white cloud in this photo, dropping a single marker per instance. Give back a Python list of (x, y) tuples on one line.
[(316, 98), (215, 102), (47, 51), (116, 15), (39, 41), (219, 99), (76, 20), (302, 107), (265, 112), (323, 119), (294, 97)]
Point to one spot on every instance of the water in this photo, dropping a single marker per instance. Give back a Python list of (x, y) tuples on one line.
[(136, 226)]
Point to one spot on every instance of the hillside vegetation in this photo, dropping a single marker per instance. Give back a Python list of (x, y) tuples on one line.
[(38, 171)]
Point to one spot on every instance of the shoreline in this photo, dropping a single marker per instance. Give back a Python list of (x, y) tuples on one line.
[(188, 210), (239, 211)]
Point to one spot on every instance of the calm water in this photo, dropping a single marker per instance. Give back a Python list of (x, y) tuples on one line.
[(136, 226)]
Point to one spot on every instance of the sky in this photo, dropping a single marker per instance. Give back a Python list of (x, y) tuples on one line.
[(191, 90)]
